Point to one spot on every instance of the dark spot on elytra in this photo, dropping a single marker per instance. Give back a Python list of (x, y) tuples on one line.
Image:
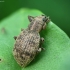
[(22, 57), (27, 54), (20, 37), (32, 55), (18, 49), (16, 44), (21, 64), (31, 42)]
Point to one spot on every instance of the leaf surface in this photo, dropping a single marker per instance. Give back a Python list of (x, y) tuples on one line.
[(56, 43)]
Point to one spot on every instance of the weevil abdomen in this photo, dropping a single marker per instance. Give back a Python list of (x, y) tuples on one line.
[(26, 47)]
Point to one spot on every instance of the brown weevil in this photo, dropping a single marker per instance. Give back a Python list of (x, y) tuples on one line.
[(27, 44)]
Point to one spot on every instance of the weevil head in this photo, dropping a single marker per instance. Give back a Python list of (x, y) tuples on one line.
[(38, 23)]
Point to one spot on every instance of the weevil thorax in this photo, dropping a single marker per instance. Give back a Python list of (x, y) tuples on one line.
[(37, 23)]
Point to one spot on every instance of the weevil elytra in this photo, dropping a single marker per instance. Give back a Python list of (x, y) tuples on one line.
[(27, 44)]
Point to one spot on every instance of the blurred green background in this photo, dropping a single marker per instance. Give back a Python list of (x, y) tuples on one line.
[(58, 10)]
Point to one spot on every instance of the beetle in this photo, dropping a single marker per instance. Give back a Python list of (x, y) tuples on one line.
[(28, 43)]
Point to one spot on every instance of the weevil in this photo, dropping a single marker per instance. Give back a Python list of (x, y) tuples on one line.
[(28, 43)]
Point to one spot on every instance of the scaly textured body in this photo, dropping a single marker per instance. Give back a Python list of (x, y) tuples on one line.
[(26, 46), (28, 42)]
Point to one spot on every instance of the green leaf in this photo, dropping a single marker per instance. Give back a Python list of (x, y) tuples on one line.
[(56, 43)]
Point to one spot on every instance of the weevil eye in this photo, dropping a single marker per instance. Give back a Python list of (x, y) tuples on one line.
[(44, 19)]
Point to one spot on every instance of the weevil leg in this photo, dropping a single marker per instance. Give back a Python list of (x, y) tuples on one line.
[(41, 42), (22, 29), (44, 27), (40, 49), (41, 39), (15, 37)]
